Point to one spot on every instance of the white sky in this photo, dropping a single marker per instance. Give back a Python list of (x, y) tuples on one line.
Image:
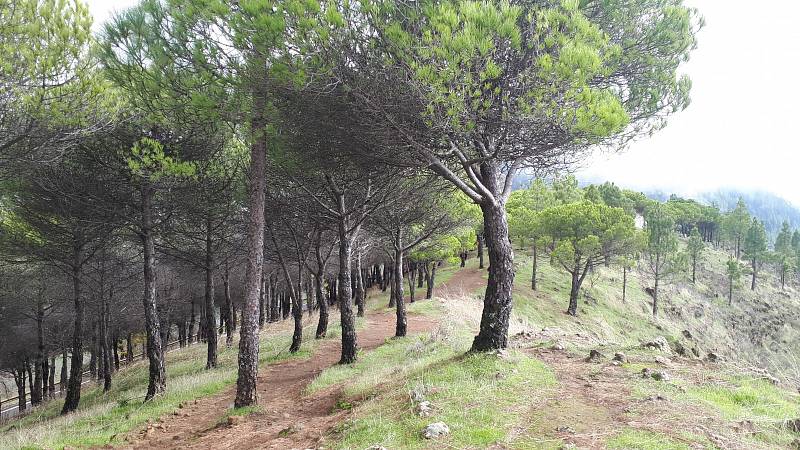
[(739, 129)]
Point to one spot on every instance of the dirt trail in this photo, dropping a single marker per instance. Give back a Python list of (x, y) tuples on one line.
[(289, 420)]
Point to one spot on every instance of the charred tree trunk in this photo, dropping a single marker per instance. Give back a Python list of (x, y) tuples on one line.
[(246, 393), (497, 299)]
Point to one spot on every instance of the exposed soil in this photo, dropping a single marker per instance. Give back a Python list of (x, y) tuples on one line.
[(289, 419)]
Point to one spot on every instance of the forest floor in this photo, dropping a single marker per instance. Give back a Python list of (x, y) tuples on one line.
[(285, 418)]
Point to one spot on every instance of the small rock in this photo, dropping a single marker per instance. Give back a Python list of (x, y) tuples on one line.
[(647, 373), (594, 356), (659, 343), (745, 426), (435, 430), (660, 375), (565, 429), (620, 357), (792, 425), (687, 334), (424, 408), (286, 415), (711, 357), (235, 420), (558, 346), (663, 361), (616, 363), (376, 447), (657, 398)]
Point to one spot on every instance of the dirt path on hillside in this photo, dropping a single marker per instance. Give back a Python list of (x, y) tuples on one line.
[(289, 420)]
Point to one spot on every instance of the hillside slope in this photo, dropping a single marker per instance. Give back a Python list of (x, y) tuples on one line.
[(543, 393)]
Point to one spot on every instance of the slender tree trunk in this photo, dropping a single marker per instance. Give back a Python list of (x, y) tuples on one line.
[(62, 382), (533, 270), (36, 388), (423, 275), (226, 285), (655, 292), (359, 292), (155, 353), (51, 384), (107, 356), (73, 394), (694, 269), (497, 299), (480, 251), (348, 323), (246, 393), (129, 356), (572, 310), (753, 282), (730, 291), (412, 281), (431, 280), (19, 379), (322, 303), (211, 319), (401, 324), (624, 282)]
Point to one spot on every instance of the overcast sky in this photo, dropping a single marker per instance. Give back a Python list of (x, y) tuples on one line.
[(739, 129)]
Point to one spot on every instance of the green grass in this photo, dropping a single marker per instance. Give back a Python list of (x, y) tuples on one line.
[(105, 417), (479, 396), (746, 398), (631, 439)]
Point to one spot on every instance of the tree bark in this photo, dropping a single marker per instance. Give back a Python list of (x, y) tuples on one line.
[(226, 285), (62, 382), (431, 280), (322, 304), (412, 281), (533, 270), (155, 353), (73, 394), (246, 393), (755, 268), (401, 325), (211, 316), (19, 379), (36, 389), (480, 251), (624, 282), (348, 323), (497, 299), (360, 292)]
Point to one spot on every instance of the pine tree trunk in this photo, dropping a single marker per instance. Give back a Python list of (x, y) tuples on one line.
[(359, 282), (423, 274), (431, 280), (211, 319), (246, 393), (624, 282), (62, 382), (51, 384), (73, 394), (753, 282), (226, 285), (348, 324), (534, 267), (401, 324), (497, 299), (322, 304), (480, 251), (412, 281), (36, 388), (572, 310), (157, 383), (19, 379)]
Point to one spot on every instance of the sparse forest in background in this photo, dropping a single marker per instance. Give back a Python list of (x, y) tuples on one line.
[(198, 172)]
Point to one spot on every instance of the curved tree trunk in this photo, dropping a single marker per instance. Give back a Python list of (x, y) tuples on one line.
[(497, 299)]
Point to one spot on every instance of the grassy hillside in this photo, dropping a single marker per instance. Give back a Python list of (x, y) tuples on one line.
[(543, 394)]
